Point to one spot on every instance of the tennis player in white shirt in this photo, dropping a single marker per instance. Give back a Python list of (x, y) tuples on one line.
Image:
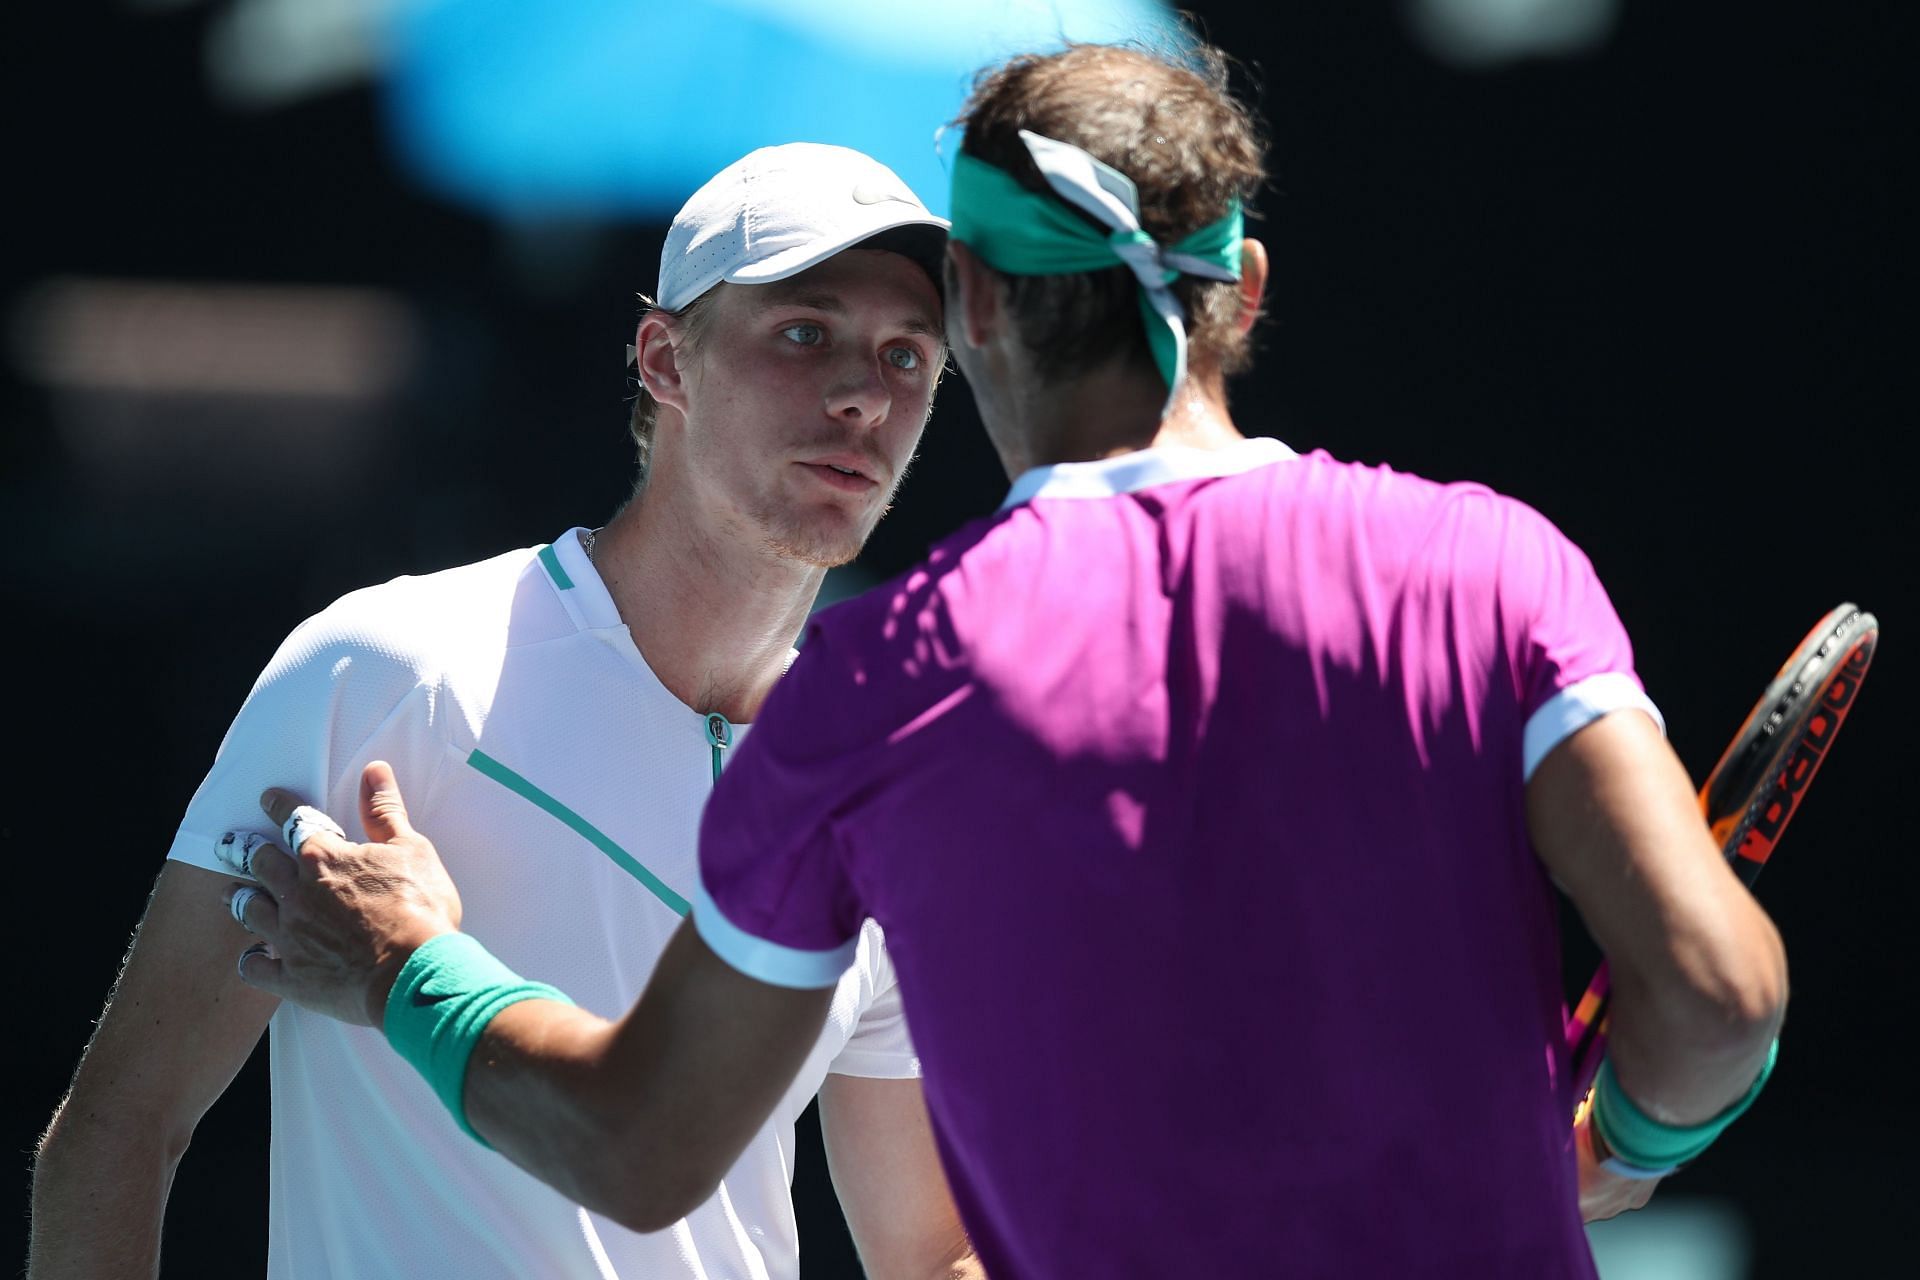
[(559, 714)]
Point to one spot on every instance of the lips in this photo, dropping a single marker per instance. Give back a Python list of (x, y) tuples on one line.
[(849, 465), (849, 475)]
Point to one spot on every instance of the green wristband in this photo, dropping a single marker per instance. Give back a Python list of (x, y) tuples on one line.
[(448, 991), (1645, 1144)]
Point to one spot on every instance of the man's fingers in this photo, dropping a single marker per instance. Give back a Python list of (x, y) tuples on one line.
[(279, 805), (270, 865), (258, 969), (236, 851), (254, 908), (382, 811), (298, 821)]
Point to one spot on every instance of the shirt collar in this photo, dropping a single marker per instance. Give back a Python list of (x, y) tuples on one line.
[(1142, 469), (579, 585)]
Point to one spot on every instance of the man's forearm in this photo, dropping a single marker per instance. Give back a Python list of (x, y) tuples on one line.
[(542, 1089), (886, 1170), (613, 1115), (639, 1119), (1685, 1061), (100, 1185)]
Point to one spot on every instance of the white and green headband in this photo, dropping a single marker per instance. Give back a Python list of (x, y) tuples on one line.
[(1027, 233)]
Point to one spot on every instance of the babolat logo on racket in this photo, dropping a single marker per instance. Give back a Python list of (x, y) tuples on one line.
[(1764, 773), (1835, 701)]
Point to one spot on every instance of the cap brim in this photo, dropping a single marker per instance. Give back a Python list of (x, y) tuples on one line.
[(791, 262)]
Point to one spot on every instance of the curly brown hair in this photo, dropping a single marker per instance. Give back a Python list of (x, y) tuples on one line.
[(1169, 122)]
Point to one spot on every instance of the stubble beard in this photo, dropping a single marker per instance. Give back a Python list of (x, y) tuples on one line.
[(820, 553), (794, 539)]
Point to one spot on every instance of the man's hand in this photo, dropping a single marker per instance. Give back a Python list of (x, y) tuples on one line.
[(1602, 1194), (339, 919)]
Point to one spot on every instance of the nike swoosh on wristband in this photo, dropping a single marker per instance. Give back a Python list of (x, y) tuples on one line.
[(421, 999)]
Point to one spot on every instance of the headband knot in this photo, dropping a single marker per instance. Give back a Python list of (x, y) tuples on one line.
[(1142, 252)]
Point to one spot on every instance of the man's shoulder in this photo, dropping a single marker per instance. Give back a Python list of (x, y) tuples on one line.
[(1366, 484), (479, 584), (1384, 497), (418, 622)]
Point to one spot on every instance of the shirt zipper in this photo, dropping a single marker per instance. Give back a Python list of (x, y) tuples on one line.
[(719, 738)]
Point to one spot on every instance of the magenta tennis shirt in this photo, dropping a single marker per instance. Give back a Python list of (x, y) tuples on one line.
[(1188, 791)]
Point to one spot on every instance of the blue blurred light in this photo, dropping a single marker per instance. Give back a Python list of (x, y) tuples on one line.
[(589, 109)]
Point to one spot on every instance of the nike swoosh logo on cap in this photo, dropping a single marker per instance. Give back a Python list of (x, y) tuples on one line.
[(874, 193)]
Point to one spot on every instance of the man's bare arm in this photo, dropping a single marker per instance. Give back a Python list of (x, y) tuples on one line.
[(887, 1172), (1699, 973), (176, 1029)]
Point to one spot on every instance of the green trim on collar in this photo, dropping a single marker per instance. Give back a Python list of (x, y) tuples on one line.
[(552, 562)]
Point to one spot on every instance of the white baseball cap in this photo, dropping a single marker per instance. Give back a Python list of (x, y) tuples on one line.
[(779, 210)]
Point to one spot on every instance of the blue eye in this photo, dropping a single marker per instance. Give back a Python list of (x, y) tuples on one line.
[(903, 357), (811, 334)]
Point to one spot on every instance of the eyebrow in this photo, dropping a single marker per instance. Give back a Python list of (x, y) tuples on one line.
[(776, 296)]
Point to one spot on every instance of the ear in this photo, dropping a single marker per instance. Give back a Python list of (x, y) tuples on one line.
[(1253, 281), (974, 312), (657, 361)]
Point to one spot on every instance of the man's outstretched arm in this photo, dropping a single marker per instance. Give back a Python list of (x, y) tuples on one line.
[(637, 1119)]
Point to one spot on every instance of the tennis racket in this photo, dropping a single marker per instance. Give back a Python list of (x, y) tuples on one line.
[(1759, 782)]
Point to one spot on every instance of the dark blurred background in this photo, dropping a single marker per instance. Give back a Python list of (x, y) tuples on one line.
[(302, 295)]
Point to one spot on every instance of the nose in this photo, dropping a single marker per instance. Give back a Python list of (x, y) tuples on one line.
[(859, 394)]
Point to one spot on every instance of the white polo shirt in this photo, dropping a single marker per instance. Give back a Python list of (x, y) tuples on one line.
[(563, 785)]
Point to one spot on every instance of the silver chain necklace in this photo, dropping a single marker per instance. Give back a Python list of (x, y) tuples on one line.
[(587, 543)]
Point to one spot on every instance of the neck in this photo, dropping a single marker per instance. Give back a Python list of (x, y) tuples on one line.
[(1106, 413), (714, 617)]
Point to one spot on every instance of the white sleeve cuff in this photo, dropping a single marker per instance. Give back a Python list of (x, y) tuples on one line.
[(1577, 706), (873, 1064), (764, 961), (197, 851)]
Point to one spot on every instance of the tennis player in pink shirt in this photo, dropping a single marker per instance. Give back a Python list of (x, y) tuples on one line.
[(1210, 797)]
